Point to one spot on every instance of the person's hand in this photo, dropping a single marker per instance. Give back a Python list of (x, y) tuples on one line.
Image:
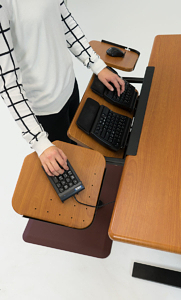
[(52, 158), (106, 76)]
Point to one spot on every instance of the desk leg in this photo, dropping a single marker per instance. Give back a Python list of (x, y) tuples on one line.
[(157, 274)]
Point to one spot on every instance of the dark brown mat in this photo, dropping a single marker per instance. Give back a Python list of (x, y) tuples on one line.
[(94, 240)]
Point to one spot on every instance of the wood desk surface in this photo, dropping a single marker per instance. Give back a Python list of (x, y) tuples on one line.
[(126, 63), (148, 204), (35, 197)]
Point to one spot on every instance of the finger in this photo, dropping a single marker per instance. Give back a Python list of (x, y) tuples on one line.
[(55, 168), (62, 159), (62, 154), (117, 86), (108, 85), (57, 163), (118, 83), (47, 170), (122, 84)]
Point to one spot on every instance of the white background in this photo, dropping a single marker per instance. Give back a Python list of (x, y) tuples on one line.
[(34, 272)]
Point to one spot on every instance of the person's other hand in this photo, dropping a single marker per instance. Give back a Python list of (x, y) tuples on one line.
[(106, 76), (52, 158)]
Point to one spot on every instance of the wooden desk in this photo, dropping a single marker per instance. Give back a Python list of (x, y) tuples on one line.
[(34, 196), (148, 204)]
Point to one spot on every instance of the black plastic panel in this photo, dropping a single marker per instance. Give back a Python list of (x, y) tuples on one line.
[(157, 274), (140, 113)]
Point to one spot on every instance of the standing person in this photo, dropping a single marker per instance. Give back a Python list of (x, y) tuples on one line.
[(37, 80)]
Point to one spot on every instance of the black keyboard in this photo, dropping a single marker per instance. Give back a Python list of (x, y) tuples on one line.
[(107, 127), (127, 100), (67, 184), (111, 129)]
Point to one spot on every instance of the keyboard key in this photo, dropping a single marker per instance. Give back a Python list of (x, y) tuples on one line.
[(126, 100), (103, 133), (113, 132), (55, 179)]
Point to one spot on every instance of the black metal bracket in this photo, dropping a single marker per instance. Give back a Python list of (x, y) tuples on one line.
[(133, 79), (115, 161), (134, 136), (140, 113), (121, 46)]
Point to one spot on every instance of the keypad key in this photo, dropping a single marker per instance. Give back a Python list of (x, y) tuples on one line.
[(55, 179)]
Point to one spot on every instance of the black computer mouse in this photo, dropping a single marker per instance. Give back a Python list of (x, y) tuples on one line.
[(115, 52)]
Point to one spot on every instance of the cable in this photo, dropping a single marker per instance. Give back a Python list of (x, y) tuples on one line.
[(97, 206)]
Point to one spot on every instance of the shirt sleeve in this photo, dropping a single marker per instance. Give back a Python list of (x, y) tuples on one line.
[(12, 92), (77, 42)]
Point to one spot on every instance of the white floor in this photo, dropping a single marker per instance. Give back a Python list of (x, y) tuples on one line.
[(34, 272)]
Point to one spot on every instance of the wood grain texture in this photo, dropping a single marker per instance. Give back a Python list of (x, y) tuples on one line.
[(126, 63), (35, 197), (148, 205)]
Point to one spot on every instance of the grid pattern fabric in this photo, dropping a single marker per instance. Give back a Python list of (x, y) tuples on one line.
[(75, 38), (11, 83)]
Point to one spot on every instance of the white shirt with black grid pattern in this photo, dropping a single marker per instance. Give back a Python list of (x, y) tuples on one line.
[(36, 72)]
